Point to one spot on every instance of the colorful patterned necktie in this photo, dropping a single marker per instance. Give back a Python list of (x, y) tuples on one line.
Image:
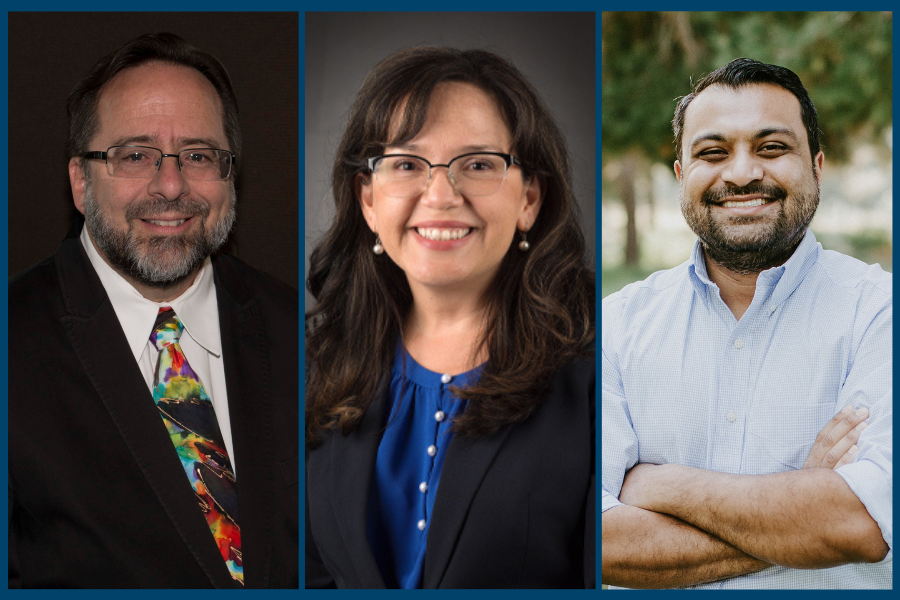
[(191, 422)]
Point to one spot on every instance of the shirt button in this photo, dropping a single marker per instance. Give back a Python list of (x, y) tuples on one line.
[(738, 344), (446, 378), (432, 450), (421, 525), (423, 487), (730, 417), (439, 416)]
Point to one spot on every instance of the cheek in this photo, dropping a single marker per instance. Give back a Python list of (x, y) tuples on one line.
[(219, 199)]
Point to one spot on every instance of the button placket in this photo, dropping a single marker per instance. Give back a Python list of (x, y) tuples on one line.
[(432, 450)]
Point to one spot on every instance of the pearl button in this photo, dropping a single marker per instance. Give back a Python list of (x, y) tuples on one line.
[(423, 487), (738, 344), (421, 525), (432, 450), (439, 416), (730, 417), (446, 378)]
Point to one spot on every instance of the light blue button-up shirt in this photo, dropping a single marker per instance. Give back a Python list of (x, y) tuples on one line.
[(685, 382)]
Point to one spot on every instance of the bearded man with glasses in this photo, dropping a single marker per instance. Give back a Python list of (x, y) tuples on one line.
[(153, 434)]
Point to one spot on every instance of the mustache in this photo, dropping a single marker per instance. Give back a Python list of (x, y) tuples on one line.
[(716, 196), (148, 209)]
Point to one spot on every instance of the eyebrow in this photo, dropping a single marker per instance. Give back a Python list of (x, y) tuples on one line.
[(463, 150), (762, 133), (130, 140)]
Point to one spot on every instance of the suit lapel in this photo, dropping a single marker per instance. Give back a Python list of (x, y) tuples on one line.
[(352, 468), (466, 464), (248, 376), (98, 340)]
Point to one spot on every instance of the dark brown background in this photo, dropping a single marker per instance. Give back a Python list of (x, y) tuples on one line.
[(50, 52)]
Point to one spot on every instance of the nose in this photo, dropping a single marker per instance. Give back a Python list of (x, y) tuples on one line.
[(168, 182), (743, 168), (440, 191)]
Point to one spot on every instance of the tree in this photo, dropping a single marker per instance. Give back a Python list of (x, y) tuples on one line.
[(650, 59)]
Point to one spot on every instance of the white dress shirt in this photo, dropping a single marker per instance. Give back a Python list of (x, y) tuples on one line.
[(201, 341)]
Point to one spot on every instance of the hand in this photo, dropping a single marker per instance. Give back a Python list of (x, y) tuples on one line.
[(836, 444), (638, 485)]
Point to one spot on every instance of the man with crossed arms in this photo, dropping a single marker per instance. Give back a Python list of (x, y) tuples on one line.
[(722, 464)]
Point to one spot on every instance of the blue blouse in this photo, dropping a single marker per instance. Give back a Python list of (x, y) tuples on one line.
[(408, 467)]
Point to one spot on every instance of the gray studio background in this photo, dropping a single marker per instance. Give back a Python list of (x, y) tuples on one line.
[(555, 51)]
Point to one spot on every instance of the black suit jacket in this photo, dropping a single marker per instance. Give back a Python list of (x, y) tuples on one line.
[(97, 496), (514, 510)]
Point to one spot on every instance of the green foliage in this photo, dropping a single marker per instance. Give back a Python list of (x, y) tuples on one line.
[(868, 245), (650, 59)]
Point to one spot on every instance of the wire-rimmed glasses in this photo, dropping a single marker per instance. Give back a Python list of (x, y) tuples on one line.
[(472, 174), (142, 162)]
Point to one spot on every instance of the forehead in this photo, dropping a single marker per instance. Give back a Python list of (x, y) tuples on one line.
[(743, 111), (459, 112), (161, 102)]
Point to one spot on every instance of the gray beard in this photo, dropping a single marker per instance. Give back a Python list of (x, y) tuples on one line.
[(159, 262), (767, 246)]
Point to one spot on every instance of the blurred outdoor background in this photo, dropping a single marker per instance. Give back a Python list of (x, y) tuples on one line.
[(650, 59)]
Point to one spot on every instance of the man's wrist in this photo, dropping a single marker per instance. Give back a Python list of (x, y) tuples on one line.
[(655, 487)]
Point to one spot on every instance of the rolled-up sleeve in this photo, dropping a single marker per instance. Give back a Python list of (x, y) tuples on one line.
[(869, 384), (620, 444)]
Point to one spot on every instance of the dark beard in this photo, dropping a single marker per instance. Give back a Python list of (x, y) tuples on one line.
[(159, 262), (770, 247)]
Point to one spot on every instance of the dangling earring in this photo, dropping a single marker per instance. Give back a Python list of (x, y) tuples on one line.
[(377, 248), (524, 245)]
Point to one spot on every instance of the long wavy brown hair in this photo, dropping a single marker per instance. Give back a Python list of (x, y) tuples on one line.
[(540, 307)]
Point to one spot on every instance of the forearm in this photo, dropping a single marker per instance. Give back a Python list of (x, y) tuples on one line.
[(807, 519), (644, 549)]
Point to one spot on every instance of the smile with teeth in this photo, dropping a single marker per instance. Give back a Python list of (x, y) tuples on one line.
[(746, 203), (166, 223), (443, 234)]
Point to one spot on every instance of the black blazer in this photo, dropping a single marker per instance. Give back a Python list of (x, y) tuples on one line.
[(97, 497), (514, 510)]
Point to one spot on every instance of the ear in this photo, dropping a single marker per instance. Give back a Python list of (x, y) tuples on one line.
[(818, 165), (534, 195), (678, 170), (364, 194), (78, 183)]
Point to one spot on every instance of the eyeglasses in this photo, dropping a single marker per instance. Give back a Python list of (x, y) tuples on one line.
[(142, 162), (472, 174)]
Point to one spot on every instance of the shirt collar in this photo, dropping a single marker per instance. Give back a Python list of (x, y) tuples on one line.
[(779, 281), (196, 307)]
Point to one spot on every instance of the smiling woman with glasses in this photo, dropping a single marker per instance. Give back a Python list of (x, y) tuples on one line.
[(450, 351)]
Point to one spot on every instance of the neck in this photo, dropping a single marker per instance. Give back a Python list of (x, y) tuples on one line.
[(736, 289), (162, 294), (443, 330), (736, 272)]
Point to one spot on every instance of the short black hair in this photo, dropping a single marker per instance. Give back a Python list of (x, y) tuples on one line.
[(746, 71), (161, 47)]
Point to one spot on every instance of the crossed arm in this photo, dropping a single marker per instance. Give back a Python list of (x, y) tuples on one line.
[(683, 526)]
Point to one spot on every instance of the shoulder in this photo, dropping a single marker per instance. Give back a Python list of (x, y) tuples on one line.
[(654, 298), (573, 387), (244, 283), (36, 290), (851, 275), (662, 284)]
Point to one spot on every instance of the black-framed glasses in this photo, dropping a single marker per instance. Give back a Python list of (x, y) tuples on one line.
[(472, 174), (143, 162)]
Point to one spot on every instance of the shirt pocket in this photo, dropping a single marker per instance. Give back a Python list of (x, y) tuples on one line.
[(780, 436)]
